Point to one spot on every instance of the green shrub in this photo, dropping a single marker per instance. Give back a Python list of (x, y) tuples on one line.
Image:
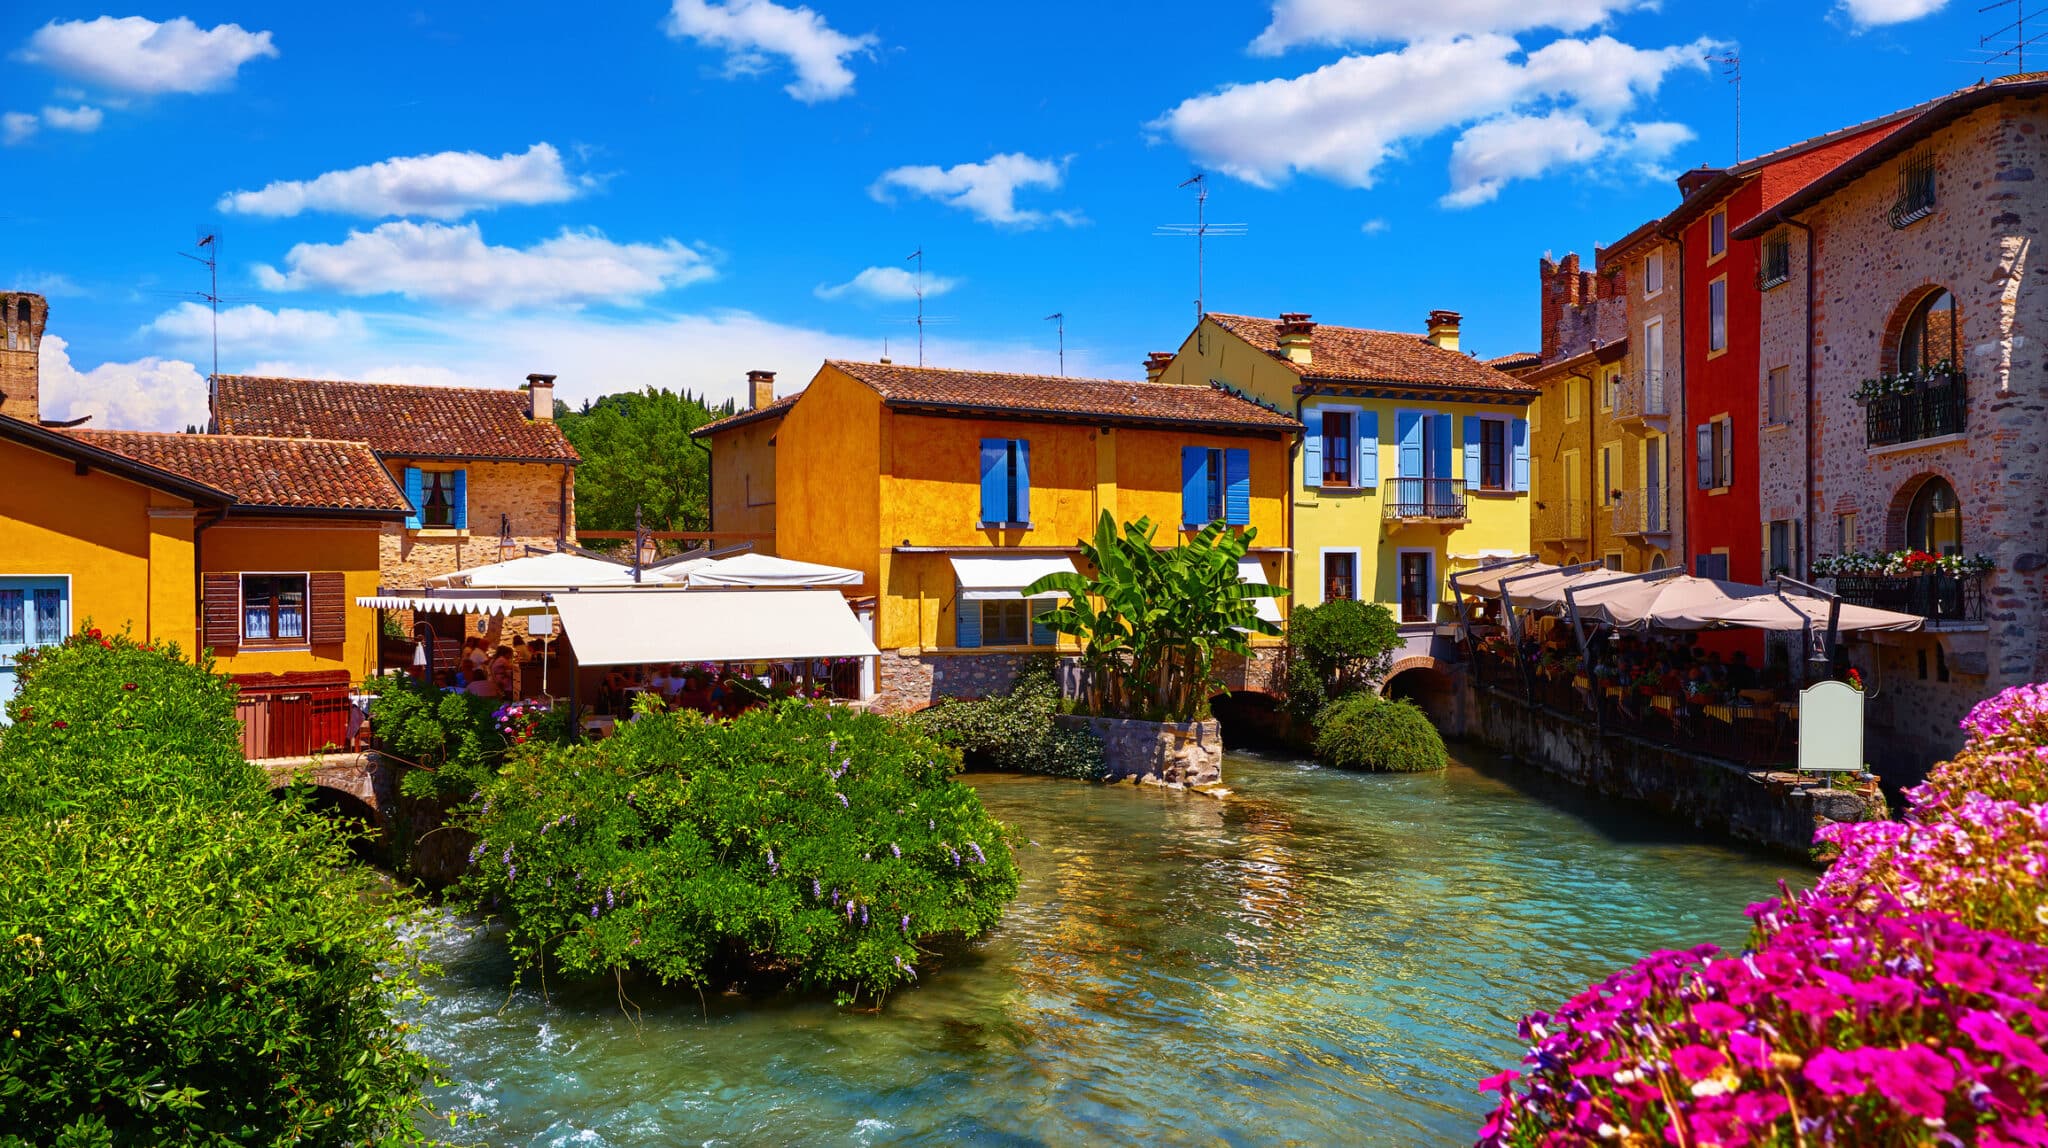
[(804, 840), (1339, 648), (184, 959), (1017, 730), (1367, 731), (448, 741)]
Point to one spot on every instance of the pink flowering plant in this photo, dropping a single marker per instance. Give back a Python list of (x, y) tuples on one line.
[(1900, 1002)]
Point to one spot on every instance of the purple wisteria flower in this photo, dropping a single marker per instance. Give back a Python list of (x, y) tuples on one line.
[(773, 868), (976, 850), (895, 850)]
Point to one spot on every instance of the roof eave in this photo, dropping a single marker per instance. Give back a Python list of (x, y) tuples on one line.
[(261, 510), (1037, 414), (556, 460), (113, 462)]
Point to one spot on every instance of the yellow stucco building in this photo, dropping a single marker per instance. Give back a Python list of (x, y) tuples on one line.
[(952, 490), (1414, 457)]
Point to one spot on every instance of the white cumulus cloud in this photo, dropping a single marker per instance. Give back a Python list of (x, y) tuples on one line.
[(149, 393), (452, 264), (1490, 154), (17, 126), (249, 329), (1339, 22), (988, 189), (1872, 13), (445, 185), (137, 54), (751, 31), (1344, 120), (82, 118), (887, 284)]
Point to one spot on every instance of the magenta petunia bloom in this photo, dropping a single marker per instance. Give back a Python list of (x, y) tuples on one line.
[(1698, 1062), (1717, 1017)]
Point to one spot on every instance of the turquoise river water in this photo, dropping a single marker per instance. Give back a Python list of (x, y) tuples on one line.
[(1324, 958)]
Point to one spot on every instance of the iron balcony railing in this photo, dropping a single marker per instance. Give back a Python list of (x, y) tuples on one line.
[(1641, 396), (1637, 512), (1935, 596), (1929, 410), (1437, 499), (1560, 520)]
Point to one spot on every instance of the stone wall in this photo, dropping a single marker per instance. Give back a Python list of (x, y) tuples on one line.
[(529, 494), (908, 682), (1775, 810), (1178, 755)]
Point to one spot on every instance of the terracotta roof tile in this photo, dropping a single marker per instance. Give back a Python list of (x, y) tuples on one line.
[(1357, 355), (275, 473), (773, 410), (1113, 400), (417, 422), (1514, 359)]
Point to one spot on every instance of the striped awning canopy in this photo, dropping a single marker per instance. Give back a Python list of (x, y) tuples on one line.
[(495, 606)]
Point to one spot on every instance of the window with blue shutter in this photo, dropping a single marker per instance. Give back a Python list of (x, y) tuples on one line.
[(1518, 433), (1005, 482), (1042, 634), (1312, 447), (1440, 446), (1368, 448), (1237, 493), (461, 498), (415, 486), (1472, 460), (1408, 431), (1194, 486), (967, 622)]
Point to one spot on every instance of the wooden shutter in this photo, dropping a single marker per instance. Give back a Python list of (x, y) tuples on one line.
[(1194, 486), (1042, 634), (1312, 448), (461, 519), (995, 487), (1704, 434), (966, 621), (220, 612), (415, 493), (1021, 512), (1440, 436), (1519, 430), (1472, 453), (1237, 489), (1367, 466), (327, 607), (1408, 428)]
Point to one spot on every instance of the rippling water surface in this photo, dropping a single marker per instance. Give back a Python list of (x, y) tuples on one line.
[(1325, 958)]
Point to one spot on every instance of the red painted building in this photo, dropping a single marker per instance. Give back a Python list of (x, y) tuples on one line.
[(1723, 376)]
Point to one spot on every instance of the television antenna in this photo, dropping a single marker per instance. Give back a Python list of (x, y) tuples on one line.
[(1060, 317), (1731, 67), (923, 320), (2017, 46), (209, 254), (1201, 231)]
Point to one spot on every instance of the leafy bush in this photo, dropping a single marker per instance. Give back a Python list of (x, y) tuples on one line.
[(184, 959), (1338, 648), (803, 840), (1900, 1002), (1367, 731), (1017, 731), (450, 741)]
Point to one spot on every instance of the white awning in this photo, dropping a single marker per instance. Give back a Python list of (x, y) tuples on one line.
[(640, 628), (543, 571), (982, 579), (420, 603), (767, 571), (1249, 570)]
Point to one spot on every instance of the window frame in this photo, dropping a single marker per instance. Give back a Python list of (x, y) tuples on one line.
[(1654, 259), (1777, 396), (1350, 449), (1717, 325), (1777, 249), (432, 478), (1717, 235), (1503, 466), (1356, 555), (275, 640), (1609, 459), (1845, 532)]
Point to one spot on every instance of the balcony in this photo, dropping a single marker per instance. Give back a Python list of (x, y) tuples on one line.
[(1559, 520), (1936, 405), (1437, 500), (1640, 398), (1639, 513), (1936, 596)]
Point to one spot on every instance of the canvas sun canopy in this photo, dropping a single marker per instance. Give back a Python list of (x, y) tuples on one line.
[(765, 571), (982, 579), (542, 572), (1485, 581), (1249, 570), (1684, 602), (492, 605), (641, 628), (1781, 611)]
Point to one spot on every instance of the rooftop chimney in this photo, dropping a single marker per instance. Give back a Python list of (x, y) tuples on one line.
[(1293, 336), (760, 389), (1156, 364), (542, 390), (1443, 329)]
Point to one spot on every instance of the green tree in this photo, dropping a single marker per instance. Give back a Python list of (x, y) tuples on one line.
[(1336, 649), (1152, 622), (637, 452)]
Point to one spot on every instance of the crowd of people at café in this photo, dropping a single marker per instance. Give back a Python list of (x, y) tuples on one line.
[(486, 672)]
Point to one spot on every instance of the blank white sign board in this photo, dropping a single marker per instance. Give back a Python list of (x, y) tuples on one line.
[(1831, 728)]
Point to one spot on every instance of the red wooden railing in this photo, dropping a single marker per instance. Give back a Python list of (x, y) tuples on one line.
[(292, 715)]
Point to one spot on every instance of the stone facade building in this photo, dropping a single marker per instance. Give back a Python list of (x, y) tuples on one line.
[(1909, 266), (488, 473), (22, 318)]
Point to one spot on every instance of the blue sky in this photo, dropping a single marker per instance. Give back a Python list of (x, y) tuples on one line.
[(634, 193)]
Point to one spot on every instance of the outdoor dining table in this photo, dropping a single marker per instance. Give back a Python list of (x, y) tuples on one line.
[(1664, 702)]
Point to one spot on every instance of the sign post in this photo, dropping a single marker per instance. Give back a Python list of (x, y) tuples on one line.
[(1831, 728)]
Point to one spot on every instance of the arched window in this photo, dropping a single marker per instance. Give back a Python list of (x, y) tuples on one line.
[(1934, 519), (11, 327), (1928, 340), (1657, 560)]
